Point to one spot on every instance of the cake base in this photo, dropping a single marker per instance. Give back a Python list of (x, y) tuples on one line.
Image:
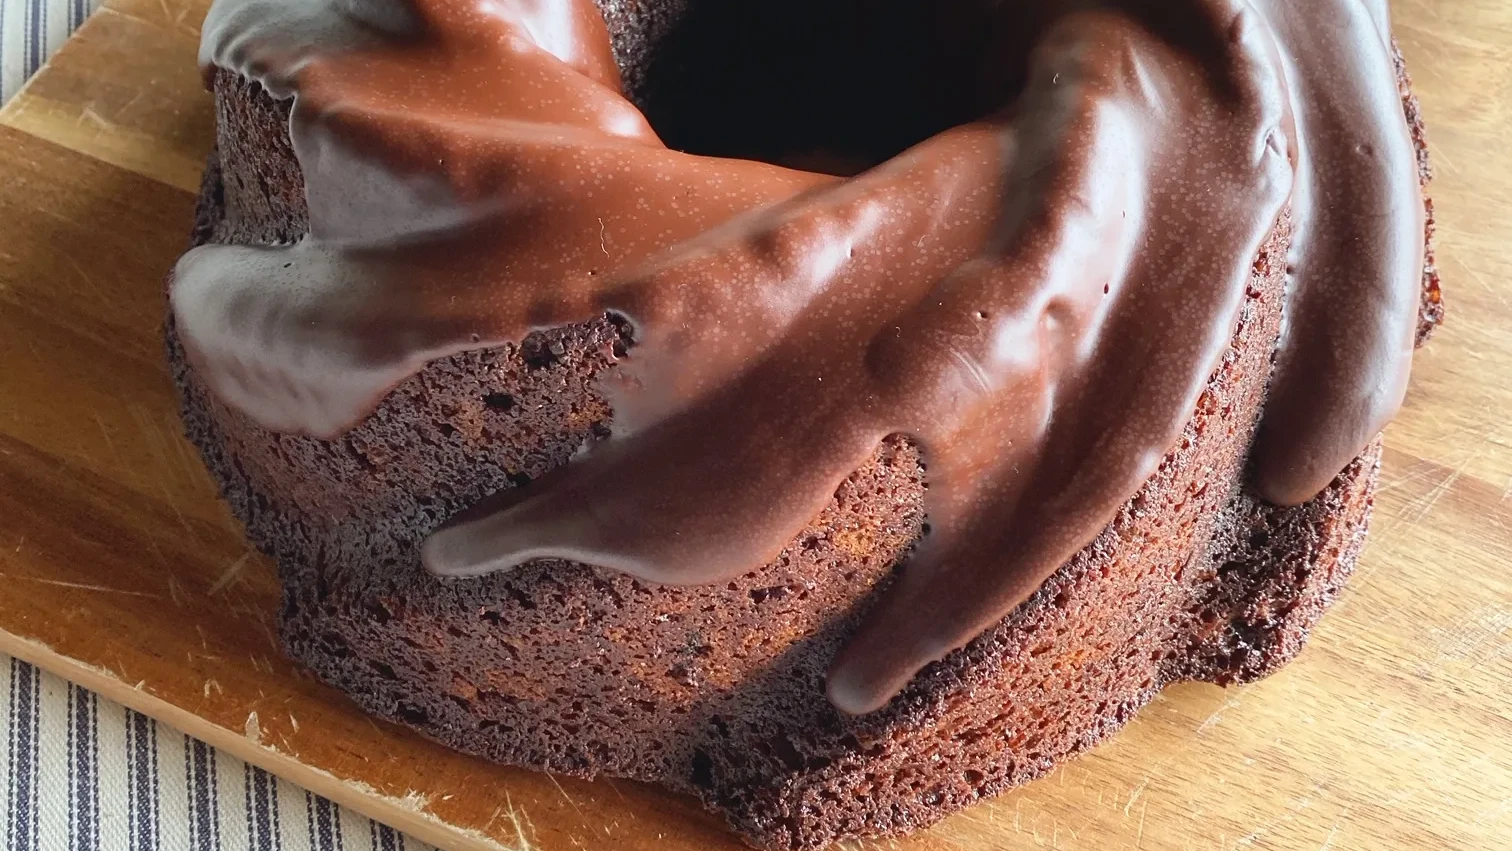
[(718, 691)]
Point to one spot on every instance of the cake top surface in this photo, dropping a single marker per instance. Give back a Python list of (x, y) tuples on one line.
[(1038, 294)]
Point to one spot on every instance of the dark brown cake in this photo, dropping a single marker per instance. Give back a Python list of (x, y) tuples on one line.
[(718, 691)]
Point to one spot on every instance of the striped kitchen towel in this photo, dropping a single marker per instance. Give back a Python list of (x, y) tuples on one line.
[(85, 774), (30, 30)]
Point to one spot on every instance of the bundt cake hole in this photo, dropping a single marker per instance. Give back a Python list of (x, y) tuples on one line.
[(827, 85)]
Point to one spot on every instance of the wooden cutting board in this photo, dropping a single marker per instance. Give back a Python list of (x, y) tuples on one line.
[(121, 570)]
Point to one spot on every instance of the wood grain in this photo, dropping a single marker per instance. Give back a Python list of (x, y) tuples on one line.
[(123, 571)]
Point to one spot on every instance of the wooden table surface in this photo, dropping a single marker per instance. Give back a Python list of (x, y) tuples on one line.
[(122, 571)]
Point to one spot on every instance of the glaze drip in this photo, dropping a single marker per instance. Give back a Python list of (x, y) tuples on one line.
[(1038, 296)]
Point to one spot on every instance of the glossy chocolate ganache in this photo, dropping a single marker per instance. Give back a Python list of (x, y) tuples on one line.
[(1037, 294)]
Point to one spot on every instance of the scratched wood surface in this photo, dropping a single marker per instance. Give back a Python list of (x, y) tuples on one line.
[(121, 570)]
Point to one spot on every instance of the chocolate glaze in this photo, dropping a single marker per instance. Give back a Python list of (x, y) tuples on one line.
[(1357, 251), (1038, 297)]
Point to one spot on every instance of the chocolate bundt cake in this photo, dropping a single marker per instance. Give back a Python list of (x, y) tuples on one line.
[(840, 411)]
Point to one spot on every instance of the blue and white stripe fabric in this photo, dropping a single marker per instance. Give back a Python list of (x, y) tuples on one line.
[(30, 30), (84, 774)]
